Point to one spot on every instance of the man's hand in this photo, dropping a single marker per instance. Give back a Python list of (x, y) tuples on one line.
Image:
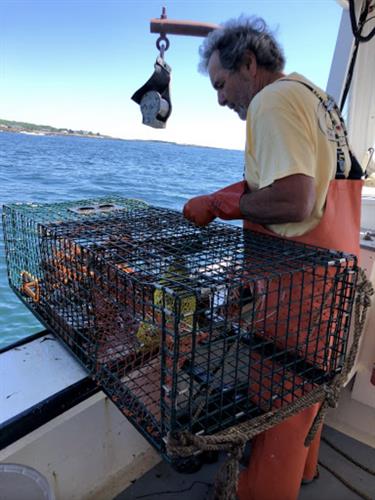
[(224, 203), (199, 210)]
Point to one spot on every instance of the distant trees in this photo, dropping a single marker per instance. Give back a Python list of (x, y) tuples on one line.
[(15, 126)]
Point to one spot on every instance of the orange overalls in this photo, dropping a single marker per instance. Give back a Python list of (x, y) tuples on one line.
[(279, 460)]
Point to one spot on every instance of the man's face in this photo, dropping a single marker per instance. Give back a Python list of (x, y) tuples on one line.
[(234, 88)]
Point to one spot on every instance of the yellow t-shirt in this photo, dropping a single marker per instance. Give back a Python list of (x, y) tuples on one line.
[(288, 132)]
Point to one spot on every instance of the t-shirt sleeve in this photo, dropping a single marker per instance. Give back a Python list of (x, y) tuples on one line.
[(283, 142)]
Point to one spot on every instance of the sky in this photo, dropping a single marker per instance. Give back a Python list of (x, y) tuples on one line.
[(76, 63)]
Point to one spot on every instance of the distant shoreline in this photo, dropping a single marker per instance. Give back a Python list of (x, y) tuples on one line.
[(30, 129), (47, 130), (27, 132)]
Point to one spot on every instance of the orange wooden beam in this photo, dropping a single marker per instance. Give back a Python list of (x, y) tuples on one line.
[(188, 28)]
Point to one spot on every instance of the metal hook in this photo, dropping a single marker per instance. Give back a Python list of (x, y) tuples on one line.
[(162, 47), (162, 38), (370, 153)]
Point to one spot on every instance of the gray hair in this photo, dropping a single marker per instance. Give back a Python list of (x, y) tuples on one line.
[(234, 37)]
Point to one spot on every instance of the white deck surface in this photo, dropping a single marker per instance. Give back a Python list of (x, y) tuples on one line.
[(33, 372)]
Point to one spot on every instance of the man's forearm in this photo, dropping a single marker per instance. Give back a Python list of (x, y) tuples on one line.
[(259, 207), (290, 199)]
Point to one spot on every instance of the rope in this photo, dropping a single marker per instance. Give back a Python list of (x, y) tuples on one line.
[(233, 439)]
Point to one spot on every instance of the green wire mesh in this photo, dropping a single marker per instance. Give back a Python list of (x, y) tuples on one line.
[(183, 327)]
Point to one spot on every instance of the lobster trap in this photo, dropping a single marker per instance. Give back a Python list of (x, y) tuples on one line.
[(184, 328)]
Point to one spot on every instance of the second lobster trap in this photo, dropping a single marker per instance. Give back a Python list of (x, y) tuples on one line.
[(185, 328)]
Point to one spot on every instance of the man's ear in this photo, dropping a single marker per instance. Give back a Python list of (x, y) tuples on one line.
[(249, 62)]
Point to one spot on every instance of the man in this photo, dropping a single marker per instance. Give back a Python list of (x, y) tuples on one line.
[(297, 170)]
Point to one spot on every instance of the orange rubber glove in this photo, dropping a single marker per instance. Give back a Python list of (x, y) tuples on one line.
[(224, 203)]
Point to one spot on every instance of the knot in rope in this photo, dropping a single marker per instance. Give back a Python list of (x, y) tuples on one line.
[(237, 451), (332, 394), (185, 444), (365, 294), (181, 444), (364, 290)]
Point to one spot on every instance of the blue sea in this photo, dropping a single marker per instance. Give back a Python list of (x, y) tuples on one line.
[(56, 168)]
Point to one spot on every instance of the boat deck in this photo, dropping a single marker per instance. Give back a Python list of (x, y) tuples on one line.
[(163, 483)]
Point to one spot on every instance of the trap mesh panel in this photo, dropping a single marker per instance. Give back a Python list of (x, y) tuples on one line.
[(184, 328), (57, 304)]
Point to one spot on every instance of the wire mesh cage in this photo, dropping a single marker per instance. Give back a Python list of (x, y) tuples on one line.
[(45, 282), (183, 327)]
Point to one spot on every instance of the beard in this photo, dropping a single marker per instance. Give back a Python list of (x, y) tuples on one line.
[(242, 112)]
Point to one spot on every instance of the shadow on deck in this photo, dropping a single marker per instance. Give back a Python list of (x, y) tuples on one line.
[(163, 483)]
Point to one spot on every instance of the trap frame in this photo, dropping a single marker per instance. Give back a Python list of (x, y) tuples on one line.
[(184, 328)]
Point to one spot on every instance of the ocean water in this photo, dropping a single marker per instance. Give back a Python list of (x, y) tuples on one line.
[(55, 168)]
